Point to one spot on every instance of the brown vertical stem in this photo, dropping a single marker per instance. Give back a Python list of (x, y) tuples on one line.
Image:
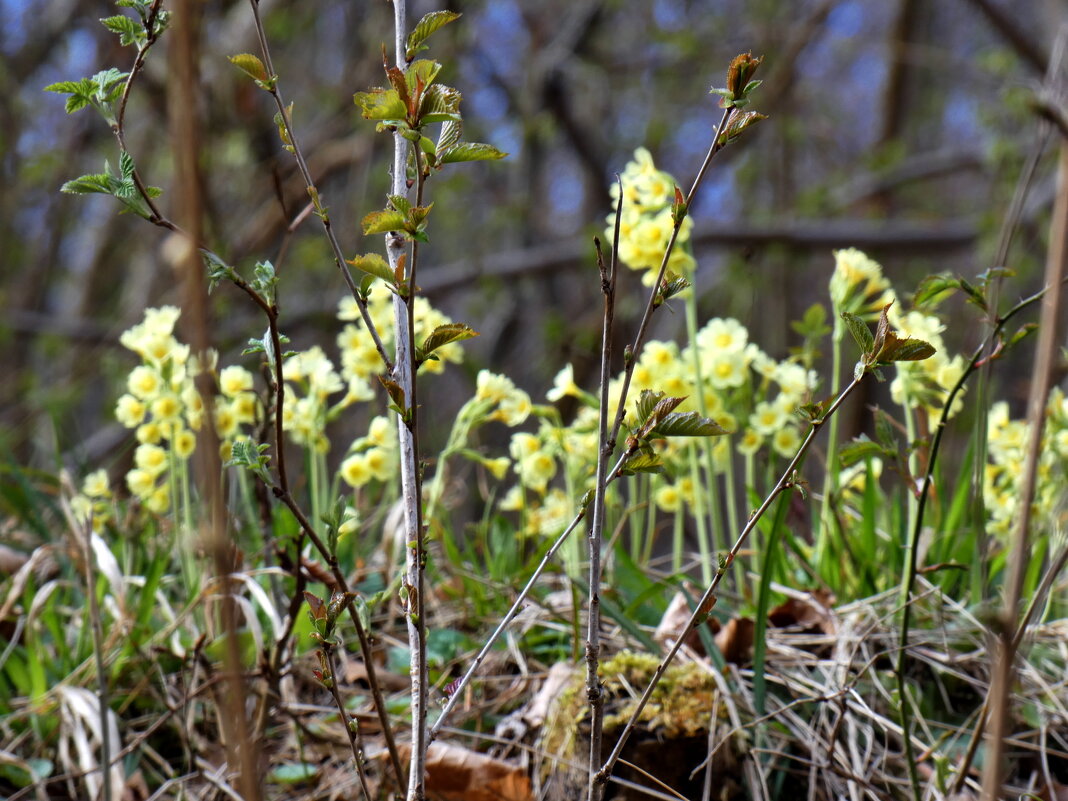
[(1004, 672), (185, 132)]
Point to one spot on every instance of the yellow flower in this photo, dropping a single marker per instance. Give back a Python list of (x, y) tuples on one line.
[(497, 467), (355, 471), (524, 445), (96, 485), (380, 432), (379, 463), (668, 498), (858, 286), (151, 458), (767, 418), (723, 335), (727, 369), (786, 441), (141, 483), (244, 407), (166, 408), (233, 380), (149, 433), (159, 501), (185, 442), (129, 411), (750, 443), (144, 382)]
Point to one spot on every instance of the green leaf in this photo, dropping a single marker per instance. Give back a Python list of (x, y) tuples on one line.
[(858, 450), (374, 265), (642, 462), (430, 23), (895, 349), (396, 394), (250, 65), (400, 203), (974, 295), (88, 184), (661, 410), (108, 84), (382, 222), (860, 331), (688, 424), (381, 104), (450, 134), (932, 290), (439, 104), (129, 30), (645, 404), (737, 125), (471, 151), (421, 73), (443, 335), (292, 773)]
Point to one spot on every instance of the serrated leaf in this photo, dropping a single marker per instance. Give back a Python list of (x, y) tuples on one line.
[(451, 131), (688, 424), (250, 65), (129, 31), (471, 151), (400, 203), (662, 409), (374, 265), (443, 335), (931, 290), (382, 222), (860, 332), (642, 462), (418, 214), (396, 393), (430, 23), (67, 87), (737, 125), (420, 76), (126, 165), (895, 349), (88, 184), (858, 450), (381, 104), (645, 404), (439, 104)]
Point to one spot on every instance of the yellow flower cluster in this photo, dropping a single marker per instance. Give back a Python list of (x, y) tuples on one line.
[(93, 503), (505, 401), (310, 380), (645, 225), (360, 361), (858, 285), (163, 405), (373, 457), (1007, 442), (926, 383)]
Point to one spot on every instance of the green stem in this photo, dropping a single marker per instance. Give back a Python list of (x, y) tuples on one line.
[(830, 478)]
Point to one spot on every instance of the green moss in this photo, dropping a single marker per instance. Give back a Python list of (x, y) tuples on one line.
[(679, 707)]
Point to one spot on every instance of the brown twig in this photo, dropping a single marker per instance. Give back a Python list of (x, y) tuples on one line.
[(352, 726), (335, 247), (594, 693), (708, 600)]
